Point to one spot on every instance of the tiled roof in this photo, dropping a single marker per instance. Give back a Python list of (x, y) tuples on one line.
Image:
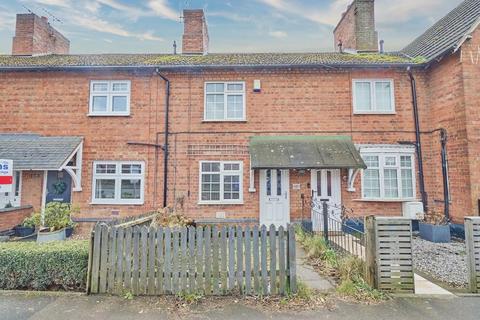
[(35, 152), (209, 60), (447, 33)]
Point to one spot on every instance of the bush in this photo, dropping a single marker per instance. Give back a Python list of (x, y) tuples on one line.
[(49, 266), (33, 221), (57, 215)]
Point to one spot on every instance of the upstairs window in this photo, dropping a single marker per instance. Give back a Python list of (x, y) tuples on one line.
[(118, 182), (110, 98), (221, 182), (373, 96), (224, 101)]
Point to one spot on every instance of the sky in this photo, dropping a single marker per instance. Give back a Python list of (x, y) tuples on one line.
[(151, 26)]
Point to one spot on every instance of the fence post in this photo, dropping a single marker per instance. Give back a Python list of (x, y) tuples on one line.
[(370, 252), (90, 261), (325, 220), (292, 269), (469, 241)]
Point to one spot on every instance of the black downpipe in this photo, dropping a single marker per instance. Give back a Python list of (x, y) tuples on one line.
[(446, 191), (418, 142), (165, 146)]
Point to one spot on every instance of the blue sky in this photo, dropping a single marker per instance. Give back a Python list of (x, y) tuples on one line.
[(132, 26)]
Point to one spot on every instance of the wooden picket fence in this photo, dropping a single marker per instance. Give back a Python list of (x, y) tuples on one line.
[(202, 260), (472, 241)]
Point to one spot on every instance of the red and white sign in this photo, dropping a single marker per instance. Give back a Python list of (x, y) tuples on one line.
[(6, 175)]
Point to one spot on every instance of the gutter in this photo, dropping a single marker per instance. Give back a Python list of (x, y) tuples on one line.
[(166, 134), (418, 141)]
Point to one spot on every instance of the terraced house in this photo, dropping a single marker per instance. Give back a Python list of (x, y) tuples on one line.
[(246, 137)]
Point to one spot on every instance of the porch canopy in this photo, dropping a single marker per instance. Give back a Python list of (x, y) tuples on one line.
[(35, 152), (304, 152)]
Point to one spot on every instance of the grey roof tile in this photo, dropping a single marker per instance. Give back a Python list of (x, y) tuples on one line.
[(35, 152), (444, 35)]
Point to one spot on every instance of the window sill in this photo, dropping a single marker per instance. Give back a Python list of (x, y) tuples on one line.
[(378, 113), (108, 115), (223, 203), (118, 203), (387, 200), (239, 121)]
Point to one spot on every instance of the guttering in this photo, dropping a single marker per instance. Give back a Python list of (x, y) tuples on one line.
[(166, 134), (418, 141)]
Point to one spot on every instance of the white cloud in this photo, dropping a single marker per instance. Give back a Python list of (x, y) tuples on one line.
[(230, 16), (58, 3), (278, 34), (161, 8)]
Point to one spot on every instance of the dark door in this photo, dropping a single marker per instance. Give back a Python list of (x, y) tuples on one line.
[(59, 187)]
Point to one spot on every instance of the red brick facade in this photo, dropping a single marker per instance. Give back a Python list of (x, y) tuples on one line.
[(11, 217), (195, 34)]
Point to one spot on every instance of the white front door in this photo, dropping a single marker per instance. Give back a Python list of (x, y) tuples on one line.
[(12, 199), (326, 185), (274, 197)]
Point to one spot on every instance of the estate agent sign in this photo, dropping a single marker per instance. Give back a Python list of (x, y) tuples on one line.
[(6, 175)]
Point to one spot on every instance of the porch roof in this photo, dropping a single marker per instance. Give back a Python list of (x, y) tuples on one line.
[(304, 152), (36, 152)]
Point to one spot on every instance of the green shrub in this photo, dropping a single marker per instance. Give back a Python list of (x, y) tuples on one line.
[(33, 221), (57, 215), (48, 266)]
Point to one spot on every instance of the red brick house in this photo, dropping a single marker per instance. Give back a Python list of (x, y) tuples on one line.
[(246, 137)]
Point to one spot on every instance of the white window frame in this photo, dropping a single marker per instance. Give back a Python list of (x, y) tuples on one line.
[(222, 182), (109, 94), (382, 153), (118, 177), (226, 93), (373, 96)]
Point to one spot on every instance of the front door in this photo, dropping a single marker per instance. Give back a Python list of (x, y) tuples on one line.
[(326, 185), (59, 187), (274, 197)]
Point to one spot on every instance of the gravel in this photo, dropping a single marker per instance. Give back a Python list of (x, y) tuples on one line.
[(443, 261)]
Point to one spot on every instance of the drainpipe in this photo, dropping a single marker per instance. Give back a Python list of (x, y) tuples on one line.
[(418, 141), (165, 146), (446, 190)]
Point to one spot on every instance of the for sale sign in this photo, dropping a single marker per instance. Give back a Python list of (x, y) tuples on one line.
[(6, 175)]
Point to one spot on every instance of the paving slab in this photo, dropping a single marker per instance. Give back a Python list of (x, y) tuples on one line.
[(309, 276)]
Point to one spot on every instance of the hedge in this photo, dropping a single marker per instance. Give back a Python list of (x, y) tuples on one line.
[(47, 266)]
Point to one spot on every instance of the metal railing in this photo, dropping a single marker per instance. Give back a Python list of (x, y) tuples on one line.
[(330, 221)]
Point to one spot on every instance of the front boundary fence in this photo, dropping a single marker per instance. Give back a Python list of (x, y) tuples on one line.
[(201, 260), (472, 241)]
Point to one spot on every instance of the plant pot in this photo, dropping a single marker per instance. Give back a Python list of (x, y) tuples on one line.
[(68, 232), (21, 231), (58, 235), (434, 233)]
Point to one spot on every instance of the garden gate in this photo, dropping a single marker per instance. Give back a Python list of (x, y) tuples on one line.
[(472, 241)]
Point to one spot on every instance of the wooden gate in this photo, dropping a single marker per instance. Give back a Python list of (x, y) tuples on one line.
[(472, 240), (389, 254), (202, 260)]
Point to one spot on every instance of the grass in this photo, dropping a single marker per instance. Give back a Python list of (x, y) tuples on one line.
[(348, 270)]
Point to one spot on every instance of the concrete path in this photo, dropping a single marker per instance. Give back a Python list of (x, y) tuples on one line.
[(425, 287), (72, 307), (308, 275)]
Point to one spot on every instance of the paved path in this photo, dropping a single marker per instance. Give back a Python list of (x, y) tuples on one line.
[(33, 307), (308, 275)]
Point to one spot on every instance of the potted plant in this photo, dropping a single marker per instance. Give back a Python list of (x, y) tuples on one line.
[(56, 221), (435, 228), (28, 226)]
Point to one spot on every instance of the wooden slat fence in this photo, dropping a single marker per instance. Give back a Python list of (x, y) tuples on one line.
[(389, 254), (472, 240), (205, 260)]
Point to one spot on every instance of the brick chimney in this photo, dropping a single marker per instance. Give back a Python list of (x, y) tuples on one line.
[(35, 36), (356, 30), (195, 32)]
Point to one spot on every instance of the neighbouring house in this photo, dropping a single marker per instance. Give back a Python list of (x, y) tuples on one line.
[(247, 137)]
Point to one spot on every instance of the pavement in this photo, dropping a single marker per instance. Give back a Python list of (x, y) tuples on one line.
[(34, 306), (308, 275)]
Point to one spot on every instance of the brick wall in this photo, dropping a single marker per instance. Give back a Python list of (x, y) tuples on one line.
[(35, 36), (195, 34), (11, 217), (356, 29)]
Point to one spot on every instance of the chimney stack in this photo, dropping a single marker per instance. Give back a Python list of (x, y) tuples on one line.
[(195, 32), (35, 36), (356, 29)]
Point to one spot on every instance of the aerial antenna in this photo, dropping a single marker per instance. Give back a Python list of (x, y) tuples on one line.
[(26, 8), (54, 18), (181, 7)]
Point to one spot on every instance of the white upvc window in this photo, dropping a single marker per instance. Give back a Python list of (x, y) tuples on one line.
[(221, 182), (389, 175), (224, 101), (118, 182), (373, 96), (109, 98)]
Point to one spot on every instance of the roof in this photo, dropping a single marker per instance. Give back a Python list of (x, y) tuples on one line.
[(208, 60), (304, 152), (35, 152), (447, 34)]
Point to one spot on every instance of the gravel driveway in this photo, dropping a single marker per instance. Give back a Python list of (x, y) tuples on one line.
[(443, 261)]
